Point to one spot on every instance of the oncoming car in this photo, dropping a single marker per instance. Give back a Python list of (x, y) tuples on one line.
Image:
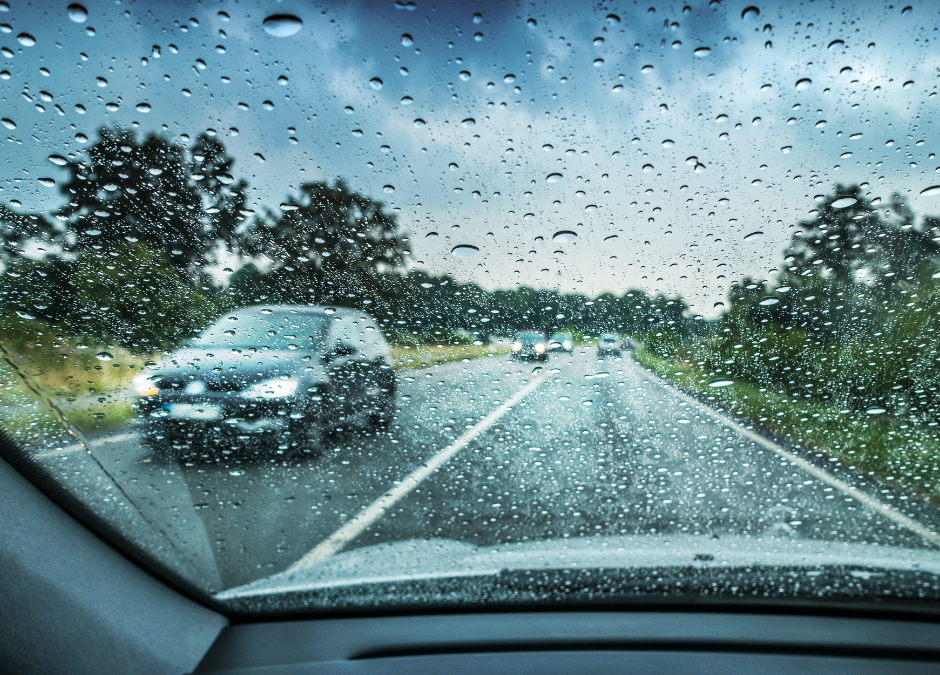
[(530, 344), (286, 370), (560, 342)]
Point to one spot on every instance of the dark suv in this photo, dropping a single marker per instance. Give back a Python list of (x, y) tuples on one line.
[(285, 370)]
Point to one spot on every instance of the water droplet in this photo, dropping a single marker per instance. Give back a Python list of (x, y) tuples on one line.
[(48, 182), (420, 122), (26, 39), (77, 13), (375, 83), (407, 40), (101, 82), (431, 235), (750, 13), (464, 75), (267, 105), (469, 123), (647, 168), (906, 10), (259, 157), (465, 251), (768, 300), (478, 37), (753, 235), (721, 382), (598, 63), (646, 69), (389, 189), (553, 177), (237, 472), (509, 79), (564, 236), (702, 52), (282, 80), (143, 107), (58, 160), (531, 23), (803, 83), (908, 84), (452, 166), (932, 191), (786, 149), (407, 100), (836, 44), (104, 356), (112, 107), (843, 202), (547, 147), (8, 123), (668, 143), (876, 410), (613, 19), (282, 25), (477, 18)]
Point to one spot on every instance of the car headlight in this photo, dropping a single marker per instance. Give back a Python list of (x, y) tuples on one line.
[(271, 389), (516, 346), (540, 347), (144, 385), (567, 344)]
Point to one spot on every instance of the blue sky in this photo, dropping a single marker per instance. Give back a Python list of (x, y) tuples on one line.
[(679, 153)]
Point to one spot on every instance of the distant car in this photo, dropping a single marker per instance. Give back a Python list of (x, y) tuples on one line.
[(284, 370), (609, 345), (530, 345), (560, 342)]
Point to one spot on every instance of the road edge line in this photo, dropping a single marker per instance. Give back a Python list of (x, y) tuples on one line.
[(860, 496), (330, 546)]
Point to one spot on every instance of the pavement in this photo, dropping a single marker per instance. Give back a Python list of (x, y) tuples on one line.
[(487, 452)]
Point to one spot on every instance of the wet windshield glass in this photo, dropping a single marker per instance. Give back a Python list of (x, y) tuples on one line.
[(265, 330), (276, 281)]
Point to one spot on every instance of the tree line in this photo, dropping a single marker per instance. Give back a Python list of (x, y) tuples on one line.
[(125, 258)]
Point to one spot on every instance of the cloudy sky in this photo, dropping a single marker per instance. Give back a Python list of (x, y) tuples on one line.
[(661, 134)]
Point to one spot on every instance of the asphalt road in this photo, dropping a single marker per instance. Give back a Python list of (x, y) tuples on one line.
[(597, 447)]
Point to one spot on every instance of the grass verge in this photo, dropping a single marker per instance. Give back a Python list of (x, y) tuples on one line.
[(901, 452), (424, 356)]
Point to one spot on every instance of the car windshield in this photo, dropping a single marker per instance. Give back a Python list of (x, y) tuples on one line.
[(195, 194), (530, 337), (265, 330)]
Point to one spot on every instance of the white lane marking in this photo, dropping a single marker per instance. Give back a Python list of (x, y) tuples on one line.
[(823, 475), (75, 447), (335, 542)]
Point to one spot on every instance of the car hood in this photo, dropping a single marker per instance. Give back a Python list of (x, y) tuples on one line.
[(430, 559), (229, 367)]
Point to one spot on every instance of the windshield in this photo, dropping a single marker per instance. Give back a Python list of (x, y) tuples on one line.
[(265, 331), (727, 214)]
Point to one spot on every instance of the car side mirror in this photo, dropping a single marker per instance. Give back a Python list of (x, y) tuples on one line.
[(338, 351)]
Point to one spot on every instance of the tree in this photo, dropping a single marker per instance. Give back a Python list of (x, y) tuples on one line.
[(328, 239)]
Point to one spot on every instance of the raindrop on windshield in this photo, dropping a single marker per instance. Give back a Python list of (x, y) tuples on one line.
[(26, 39), (531, 23), (375, 83), (469, 123), (465, 251), (431, 235), (58, 160), (282, 25), (932, 191), (143, 107), (407, 40), (767, 301), (721, 382), (876, 410), (77, 13), (843, 202), (836, 44), (702, 52), (803, 83), (389, 189), (750, 13), (8, 123), (104, 356), (420, 122), (753, 235), (668, 143), (553, 177), (564, 236)]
